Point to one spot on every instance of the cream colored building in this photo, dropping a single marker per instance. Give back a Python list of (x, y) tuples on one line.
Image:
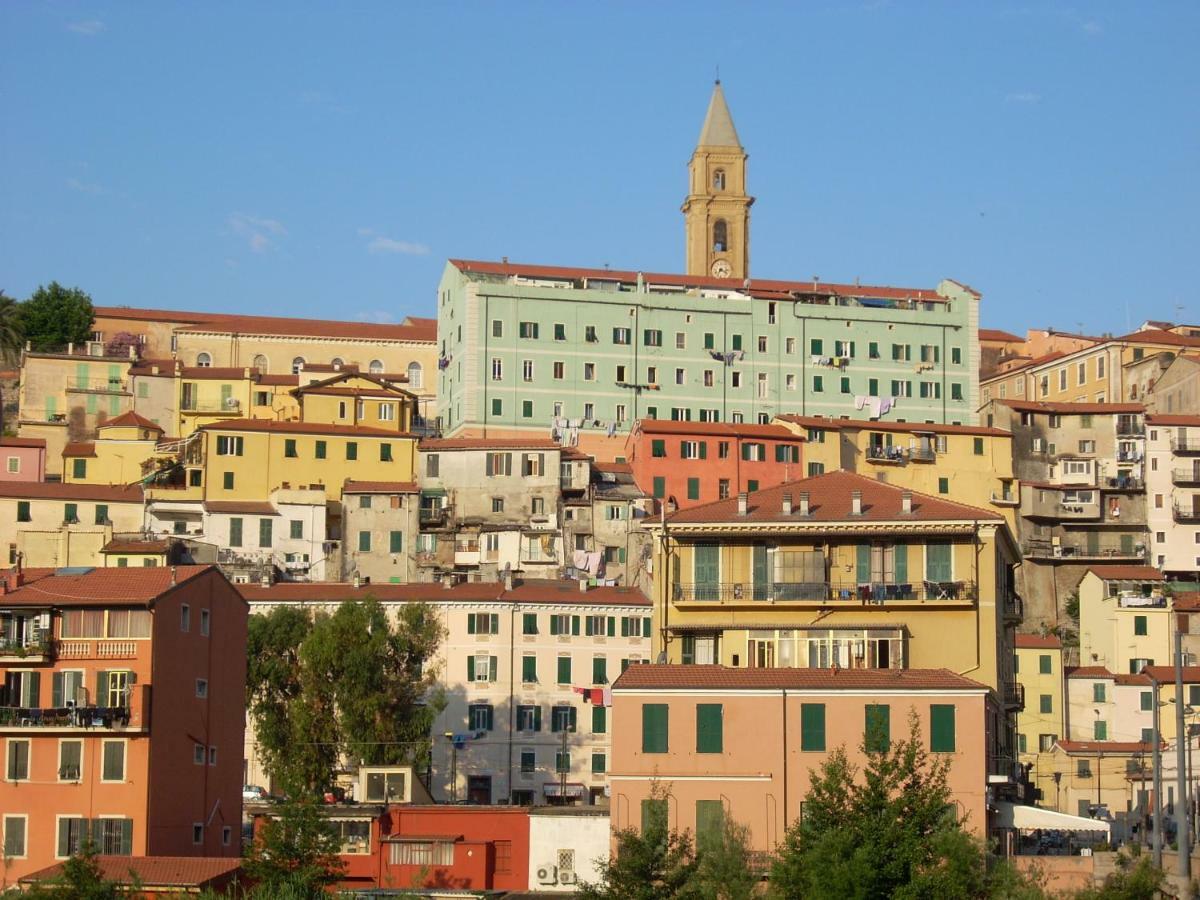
[(54, 525), (515, 664), (1124, 618), (1042, 715), (1173, 493)]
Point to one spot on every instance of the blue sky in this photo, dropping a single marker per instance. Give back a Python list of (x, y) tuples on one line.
[(321, 160)]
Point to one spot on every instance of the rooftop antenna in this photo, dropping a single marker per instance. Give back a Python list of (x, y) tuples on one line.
[(718, 73)]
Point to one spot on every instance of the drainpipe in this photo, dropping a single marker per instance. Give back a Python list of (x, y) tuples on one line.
[(512, 649), (783, 723)]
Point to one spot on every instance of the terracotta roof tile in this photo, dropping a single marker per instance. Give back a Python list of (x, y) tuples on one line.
[(1127, 573), (268, 325), (995, 335), (1134, 680), (531, 590), (489, 444), (718, 429), (1156, 419), (217, 373), (1186, 601), (904, 427), (1088, 672), (270, 425), (379, 487), (57, 490), (84, 586), (1154, 336), (830, 501), (1038, 642), (1166, 674), (79, 448), (133, 546), (156, 871), (130, 419), (22, 442), (701, 677), (1073, 409), (236, 507)]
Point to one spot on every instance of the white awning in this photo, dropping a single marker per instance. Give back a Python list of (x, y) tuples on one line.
[(1012, 815)]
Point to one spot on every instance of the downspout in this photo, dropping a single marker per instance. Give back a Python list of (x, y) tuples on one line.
[(487, 372), (512, 649), (783, 721)]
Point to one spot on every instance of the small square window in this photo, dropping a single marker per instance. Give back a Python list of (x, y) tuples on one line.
[(202, 687)]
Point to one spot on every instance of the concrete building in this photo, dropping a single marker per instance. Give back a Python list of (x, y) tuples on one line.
[(1175, 390), (50, 524), (1107, 774), (1080, 467), (743, 743), (24, 459), (525, 669), (122, 713), (616, 507), (1173, 493), (379, 527)]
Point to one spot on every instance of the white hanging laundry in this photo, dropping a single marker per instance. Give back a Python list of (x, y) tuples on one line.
[(860, 401)]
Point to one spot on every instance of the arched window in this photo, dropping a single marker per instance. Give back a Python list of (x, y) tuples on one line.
[(337, 362), (204, 360), (720, 236), (414, 375), (260, 363), (376, 367), (297, 365), (718, 179)]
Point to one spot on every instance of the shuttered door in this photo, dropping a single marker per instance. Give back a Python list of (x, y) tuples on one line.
[(707, 571), (762, 578), (937, 561)]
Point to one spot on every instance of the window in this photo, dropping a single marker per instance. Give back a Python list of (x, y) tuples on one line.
[(1045, 664), (1046, 703), (762, 343), (680, 340), (497, 328), (560, 331), (17, 760), (599, 668), (289, 448), (599, 720), (941, 728), (1139, 625), (621, 335), (202, 687), (654, 727), (70, 760), (589, 371), (564, 670), (529, 669), (528, 762), (264, 532), (720, 241), (185, 617), (112, 761), (878, 727), (480, 717), (481, 668), (681, 376), (1100, 730), (812, 726), (227, 481), (660, 487), (529, 718), (528, 330), (23, 514), (483, 623), (693, 449), (693, 488), (14, 836), (529, 623), (709, 727), (113, 837), (204, 622), (818, 384), (652, 337), (562, 718), (79, 468)]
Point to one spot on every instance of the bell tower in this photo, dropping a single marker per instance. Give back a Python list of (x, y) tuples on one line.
[(717, 209)]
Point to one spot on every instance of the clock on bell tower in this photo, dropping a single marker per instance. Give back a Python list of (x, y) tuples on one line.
[(717, 209)]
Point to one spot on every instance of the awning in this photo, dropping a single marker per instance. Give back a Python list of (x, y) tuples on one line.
[(1012, 815), (555, 789)]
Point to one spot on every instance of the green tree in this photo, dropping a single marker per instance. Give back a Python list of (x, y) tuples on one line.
[(295, 853), (1135, 878), (887, 832), (10, 328), (82, 879), (351, 684), (55, 316), (725, 869)]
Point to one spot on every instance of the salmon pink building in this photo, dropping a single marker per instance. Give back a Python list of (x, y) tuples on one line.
[(22, 459), (741, 743), (121, 713), (699, 462)]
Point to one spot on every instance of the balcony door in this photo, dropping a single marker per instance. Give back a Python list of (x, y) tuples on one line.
[(706, 571)]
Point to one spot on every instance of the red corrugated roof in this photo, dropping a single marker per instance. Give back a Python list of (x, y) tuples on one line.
[(717, 429), (1127, 573), (830, 499), (301, 428), (529, 590), (1073, 409), (489, 444), (132, 419), (905, 427), (379, 487), (23, 442), (57, 490), (67, 587), (756, 287), (155, 871), (702, 677), (1038, 642), (240, 507)]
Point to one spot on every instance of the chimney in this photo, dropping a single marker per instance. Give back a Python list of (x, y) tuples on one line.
[(173, 574), (787, 504), (856, 503), (583, 585), (804, 503), (508, 579), (906, 503), (742, 501), (70, 349), (264, 580), (357, 579)]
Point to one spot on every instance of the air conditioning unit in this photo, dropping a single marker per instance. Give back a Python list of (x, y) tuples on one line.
[(566, 876), (547, 875)]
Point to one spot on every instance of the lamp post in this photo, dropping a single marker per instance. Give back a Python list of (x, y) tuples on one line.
[(449, 736), (1157, 771), (1181, 820)]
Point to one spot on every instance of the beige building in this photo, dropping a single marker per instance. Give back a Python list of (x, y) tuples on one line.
[(1042, 715), (1175, 390), (1124, 618), (526, 668), (379, 527), (1173, 493), (48, 524)]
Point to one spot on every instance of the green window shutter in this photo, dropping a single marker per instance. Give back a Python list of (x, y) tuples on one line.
[(816, 345), (1046, 703), (599, 720), (471, 668), (227, 481), (693, 488), (900, 563), (812, 726), (1139, 625), (937, 561), (587, 626), (492, 668), (624, 626), (1098, 692), (296, 529), (564, 670), (491, 717), (979, 446), (658, 448), (351, 450), (554, 625), (704, 449), (612, 626), (1045, 664), (710, 823), (709, 728), (495, 623), (1147, 701), (646, 627), (529, 669), (654, 728), (1021, 743), (23, 514), (863, 563), (529, 623), (575, 625), (101, 698), (56, 690), (396, 542), (737, 342), (599, 763), (71, 512), (621, 555), (289, 448), (537, 718), (660, 487), (320, 450), (878, 727), (235, 532), (101, 513), (471, 623), (941, 728), (746, 452), (364, 541), (599, 670), (1101, 732), (79, 468), (873, 387)]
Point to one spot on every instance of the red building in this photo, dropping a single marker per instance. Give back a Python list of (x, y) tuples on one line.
[(698, 462)]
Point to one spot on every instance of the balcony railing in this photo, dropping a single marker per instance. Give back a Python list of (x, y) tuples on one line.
[(21, 648), (1125, 483), (1014, 696), (65, 717), (1185, 476), (93, 385), (1009, 499), (434, 515), (1077, 550), (1014, 607), (1187, 512), (1185, 443), (922, 454), (230, 406), (1127, 427), (883, 453), (824, 592), (97, 649)]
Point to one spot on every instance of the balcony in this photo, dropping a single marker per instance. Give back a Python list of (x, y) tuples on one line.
[(1186, 476), (97, 649), (133, 715), (1077, 509), (1005, 499), (427, 558), (922, 454), (466, 553), (1130, 427), (1187, 512), (435, 517), (1125, 483), (29, 651), (825, 593), (231, 406), (1014, 608), (1014, 697), (97, 386), (1080, 551), (885, 454), (1182, 443)]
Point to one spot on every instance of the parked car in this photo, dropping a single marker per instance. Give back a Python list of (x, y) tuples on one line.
[(252, 793)]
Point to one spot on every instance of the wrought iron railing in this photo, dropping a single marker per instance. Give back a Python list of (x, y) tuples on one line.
[(824, 592)]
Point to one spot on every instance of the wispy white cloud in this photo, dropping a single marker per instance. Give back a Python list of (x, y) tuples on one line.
[(381, 244), (1023, 97), (259, 233), (88, 27), (86, 187)]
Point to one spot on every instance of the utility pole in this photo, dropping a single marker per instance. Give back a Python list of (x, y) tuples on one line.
[(1181, 797), (1157, 769)]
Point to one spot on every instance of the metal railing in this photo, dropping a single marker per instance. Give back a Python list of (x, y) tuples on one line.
[(114, 385), (1187, 512), (1185, 476), (434, 515), (65, 716), (1185, 443), (824, 592), (885, 453), (1014, 606), (922, 454), (1014, 696), (1128, 427), (1075, 550)]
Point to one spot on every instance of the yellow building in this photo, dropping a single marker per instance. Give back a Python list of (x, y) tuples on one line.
[(1040, 722), (717, 209), (246, 459), (52, 524), (967, 463), (1125, 618), (123, 553), (124, 452), (1085, 774), (354, 398)]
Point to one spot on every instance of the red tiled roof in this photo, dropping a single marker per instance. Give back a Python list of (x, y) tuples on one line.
[(300, 428), (1092, 748), (212, 373), (153, 315), (375, 331), (1156, 419), (83, 586), (1186, 601), (489, 444), (1073, 409), (1127, 573), (248, 507), (79, 448), (830, 501), (530, 590), (128, 546), (57, 490), (379, 487), (718, 429), (758, 287), (1089, 672), (1154, 336), (906, 427), (995, 334), (282, 380), (1139, 680), (704, 677), (1038, 642), (155, 871), (613, 467), (23, 442), (1166, 674), (132, 419)]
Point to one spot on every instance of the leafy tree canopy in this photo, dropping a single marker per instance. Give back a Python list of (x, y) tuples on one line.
[(295, 853), (56, 316)]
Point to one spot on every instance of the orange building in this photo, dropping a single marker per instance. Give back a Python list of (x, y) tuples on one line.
[(121, 715), (741, 743)]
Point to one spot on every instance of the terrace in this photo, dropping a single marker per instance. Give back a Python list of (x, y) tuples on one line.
[(849, 593)]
